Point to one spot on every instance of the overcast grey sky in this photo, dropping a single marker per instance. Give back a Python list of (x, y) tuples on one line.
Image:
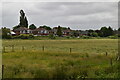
[(76, 15)]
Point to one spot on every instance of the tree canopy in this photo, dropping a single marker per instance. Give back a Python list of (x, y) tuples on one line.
[(32, 26), (15, 27), (106, 31), (45, 27), (5, 33), (118, 29), (23, 19), (59, 31)]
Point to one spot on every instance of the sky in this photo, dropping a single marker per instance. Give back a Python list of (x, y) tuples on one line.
[(76, 15)]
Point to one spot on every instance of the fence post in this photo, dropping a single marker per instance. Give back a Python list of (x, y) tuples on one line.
[(23, 48), (70, 50), (43, 48), (3, 49), (12, 48), (106, 53), (2, 71)]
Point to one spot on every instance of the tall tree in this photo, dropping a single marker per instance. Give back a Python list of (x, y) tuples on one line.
[(90, 31), (110, 31), (23, 19), (118, 29), (15, 27), (69, 28), (104, 32), (32, 26), (45, 27), (59, 31)]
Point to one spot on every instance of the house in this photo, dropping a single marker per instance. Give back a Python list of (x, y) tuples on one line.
[(40, 32), (54, 31), (22, 30), (83, 33), (66, 32), (75, 33)]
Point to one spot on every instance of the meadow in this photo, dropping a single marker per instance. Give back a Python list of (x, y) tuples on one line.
[(60, 59)]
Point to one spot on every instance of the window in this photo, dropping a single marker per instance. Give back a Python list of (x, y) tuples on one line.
[(28, 31), (45, 31), (42, 31), (24, 31), (20, 31)]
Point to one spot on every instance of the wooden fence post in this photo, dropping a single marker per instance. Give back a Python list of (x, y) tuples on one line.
[(12, 48), (2, 71), (43, 48), (3, 49), (23, 48), (70, 50), (106, 53)]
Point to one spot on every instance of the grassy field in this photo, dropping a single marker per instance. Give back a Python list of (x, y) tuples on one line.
[(65, 59)]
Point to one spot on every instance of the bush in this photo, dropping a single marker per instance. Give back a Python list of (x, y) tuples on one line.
[(31, 36), (51, 36), (24, 36), (5, 33), (94, 34), (7, 37), (67, 37), (85, 37), (113, 37)]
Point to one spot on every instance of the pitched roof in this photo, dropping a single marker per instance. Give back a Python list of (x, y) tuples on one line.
[(67, 30), (21, 29), (38, 29)]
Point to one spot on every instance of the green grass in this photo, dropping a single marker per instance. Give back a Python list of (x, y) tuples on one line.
[(86, 60)]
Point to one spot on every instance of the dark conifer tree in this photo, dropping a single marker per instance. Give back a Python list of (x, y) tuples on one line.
[(59, 31), (23, 19), (32, 26)]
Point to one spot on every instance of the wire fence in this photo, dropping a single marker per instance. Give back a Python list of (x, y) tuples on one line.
[(45, 48), (13, 48)]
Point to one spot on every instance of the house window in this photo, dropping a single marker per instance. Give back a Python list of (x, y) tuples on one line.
[(20, 31), (28, 31), (24, 31), (42, 31), (63, 32), (45, 31)]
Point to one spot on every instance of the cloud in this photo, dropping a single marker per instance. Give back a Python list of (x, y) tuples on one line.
[(71, 14)]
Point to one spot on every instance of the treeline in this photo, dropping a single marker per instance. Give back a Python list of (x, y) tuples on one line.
[(103, 32)]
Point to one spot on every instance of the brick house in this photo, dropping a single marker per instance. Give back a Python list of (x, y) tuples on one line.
[(54, 31), (66, 32), (22, 30), (40, 32)]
